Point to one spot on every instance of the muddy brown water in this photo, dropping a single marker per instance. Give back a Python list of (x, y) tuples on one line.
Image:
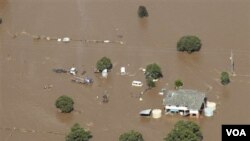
[(26, 65)]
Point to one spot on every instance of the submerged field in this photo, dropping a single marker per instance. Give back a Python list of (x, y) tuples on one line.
[(26, 65)]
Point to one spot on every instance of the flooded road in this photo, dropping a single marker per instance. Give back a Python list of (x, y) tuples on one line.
[(26, 64)]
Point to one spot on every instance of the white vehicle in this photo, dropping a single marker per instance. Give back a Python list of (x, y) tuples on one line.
[(137, 83)]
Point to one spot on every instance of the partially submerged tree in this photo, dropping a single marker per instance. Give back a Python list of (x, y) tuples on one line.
[(78, 134), (225, 78), (65, 104), (150, 83), (131, 136), (185, 131), (189, 43), (104, 63), (153, 71), (178, 84), (142, 12)]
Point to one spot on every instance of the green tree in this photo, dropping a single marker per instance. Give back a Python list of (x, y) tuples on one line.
[(65, 104), (178, 84), (142, 12), (185, 131), (104, 63), (150, 83), (225, 78), (78, 134), (131, 136), (189, 43), (153, 71), (1, 20)]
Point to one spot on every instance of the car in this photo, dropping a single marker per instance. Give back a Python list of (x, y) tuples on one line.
[(137, 83)]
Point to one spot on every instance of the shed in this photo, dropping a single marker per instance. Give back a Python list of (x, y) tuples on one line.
[(123, 71)]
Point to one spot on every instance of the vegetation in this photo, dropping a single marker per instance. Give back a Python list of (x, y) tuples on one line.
[(78, 134), (153, 71), (131, 136), (1, 20), (65, 104), (142, 12), (104, 63), (185, 131), (224, 78), (150, 83), (178, 84), (189, 43)]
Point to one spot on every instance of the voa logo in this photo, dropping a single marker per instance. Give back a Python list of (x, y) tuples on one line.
[(236, 132)]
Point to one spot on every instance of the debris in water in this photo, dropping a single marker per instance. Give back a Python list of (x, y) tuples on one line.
[(106, 41), (66, 39)]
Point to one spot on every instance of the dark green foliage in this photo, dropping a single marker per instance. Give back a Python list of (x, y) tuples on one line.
[(104, 63), (78, 134), (1, 20), (150, 83), (178, 84), (131, 136), (153, 71), (224, 78), (185, 131), (142, 12), (189, 43), (65, 104)]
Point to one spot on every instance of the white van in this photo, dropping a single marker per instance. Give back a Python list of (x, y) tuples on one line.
[(137, 83)]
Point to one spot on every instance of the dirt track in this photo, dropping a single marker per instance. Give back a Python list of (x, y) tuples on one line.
[(26, 65)]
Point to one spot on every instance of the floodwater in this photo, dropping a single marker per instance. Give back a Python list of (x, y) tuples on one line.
[(26, 64)]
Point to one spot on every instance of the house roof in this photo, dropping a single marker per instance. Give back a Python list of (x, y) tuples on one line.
[(191, 99)]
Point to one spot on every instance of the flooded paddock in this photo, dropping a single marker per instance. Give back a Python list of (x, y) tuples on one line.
[(27, 110)]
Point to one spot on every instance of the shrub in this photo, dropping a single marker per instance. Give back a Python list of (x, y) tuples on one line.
[(178, 84), (65, 104), (225, 78), (104, 63), (142, 12), (131, 136), (189, 43), (78, 134)]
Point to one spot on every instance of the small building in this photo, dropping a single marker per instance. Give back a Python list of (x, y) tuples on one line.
[(123, 71), (185, 102), (105, 73)]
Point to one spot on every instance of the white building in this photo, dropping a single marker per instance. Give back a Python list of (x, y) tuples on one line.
[(184, 102)]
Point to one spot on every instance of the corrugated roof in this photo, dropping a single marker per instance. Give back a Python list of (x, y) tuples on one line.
[(188, 98)]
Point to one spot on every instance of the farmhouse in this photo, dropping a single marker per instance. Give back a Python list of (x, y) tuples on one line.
[(185, 102)]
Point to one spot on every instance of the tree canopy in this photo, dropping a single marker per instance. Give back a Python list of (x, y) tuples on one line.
[(185, 131), (65, 104), (224, 78), (131, 136), (153, 71), (142, 12), (78, 134), (178, 84), (104, 63), (189, 43)]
